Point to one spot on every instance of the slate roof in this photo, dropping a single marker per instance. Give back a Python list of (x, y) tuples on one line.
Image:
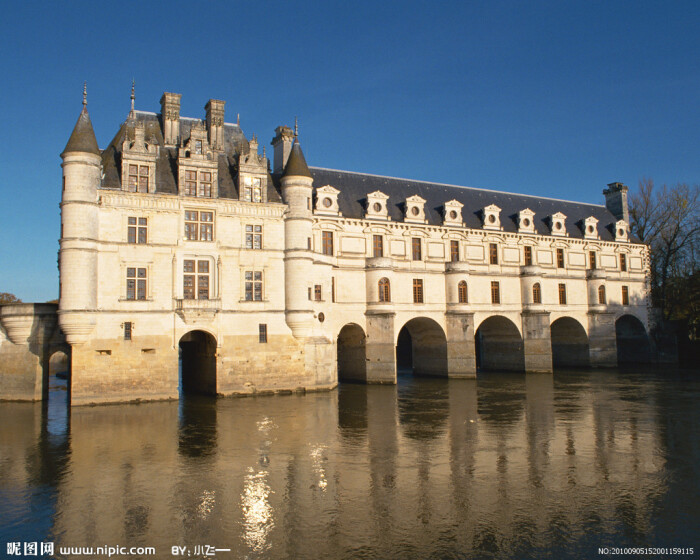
[(296, 163), (82, 139), (235, 143), (354, 188)]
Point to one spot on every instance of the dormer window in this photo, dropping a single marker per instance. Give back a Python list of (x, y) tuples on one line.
[(453, 213), (138, 178), (492, 217), (198, 183), (621, 231), (415, 209), (526, 221), (590, 228), (377, 206), (558, 224), (327, 201), (198, 147), (252, 189)]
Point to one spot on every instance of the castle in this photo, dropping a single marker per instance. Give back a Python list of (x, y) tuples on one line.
[(189, 261)]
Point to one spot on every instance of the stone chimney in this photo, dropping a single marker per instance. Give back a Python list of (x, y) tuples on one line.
[(170, 113), (215, 123), (282, 143), (616, 201)]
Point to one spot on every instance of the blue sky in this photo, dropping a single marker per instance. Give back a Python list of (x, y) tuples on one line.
[(548, 98)]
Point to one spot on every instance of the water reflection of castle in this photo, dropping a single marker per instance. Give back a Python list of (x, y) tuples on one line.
[(491, 464)]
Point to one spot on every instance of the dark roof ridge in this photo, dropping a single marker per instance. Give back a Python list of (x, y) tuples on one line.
[(457, 186)]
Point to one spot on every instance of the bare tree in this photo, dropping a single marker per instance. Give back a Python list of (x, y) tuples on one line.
[(668, 219)]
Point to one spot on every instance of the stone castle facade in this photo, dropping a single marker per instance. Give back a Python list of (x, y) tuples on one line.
[(188, 260)]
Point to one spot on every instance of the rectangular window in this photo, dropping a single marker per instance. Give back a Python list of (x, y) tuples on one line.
[(495, 292), (560, 258), (198, 183), (454, 251), (253, 285), (528, 255), (253, 237), (135, 283), (127, 331), (378, 246), (562, 294), (333, 289), (137, 230), (252, 189), (592, 260), (327, 242), (138, 178), (195, 280), (317, 292), (262, 333), (417, 291), (625, 295), (623, 262), (493, 253), (199, 226), (416, 249)]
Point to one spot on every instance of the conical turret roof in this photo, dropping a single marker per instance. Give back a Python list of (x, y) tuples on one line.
[(296, 164), (83, 137)]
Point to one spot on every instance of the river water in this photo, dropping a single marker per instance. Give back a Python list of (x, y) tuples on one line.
[(506, 466)]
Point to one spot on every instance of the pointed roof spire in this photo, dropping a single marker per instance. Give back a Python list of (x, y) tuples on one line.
[(238, 119), (82, 139), (133, 94), (296, 164)]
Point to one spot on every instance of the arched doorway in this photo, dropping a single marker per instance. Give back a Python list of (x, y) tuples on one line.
[(499, 346), (57, 391), (421, 348), (198, 363), (569, 344), (351, 354), (633, 346)]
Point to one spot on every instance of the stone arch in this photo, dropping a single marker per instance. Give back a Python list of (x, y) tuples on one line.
[(198, 363), (633, 344), (569, 344), (352, 356), (421, 347), (499, 346)]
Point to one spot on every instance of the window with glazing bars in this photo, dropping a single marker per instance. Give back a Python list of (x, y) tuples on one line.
[(195, 280), (527, 253), (495, 292), (417, 291), (384, 290), (327, 242), (378, 246), (462, 292), (252, 189), (601, 295), (135, 283), (138, 178), (454, 250), (592, 260), (416, 249), (253, 285), (198, 183), (317, 292), (199, 226), (137, 231), (536, 293), (562, 294), (625, 295), (560, 258), (623, 262), (253, 237), (493, 253), (262, 333)]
